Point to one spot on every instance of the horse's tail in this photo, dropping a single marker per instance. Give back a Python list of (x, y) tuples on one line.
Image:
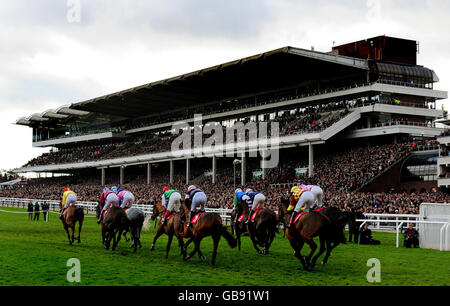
[(147, 222), (79, 214), (230, 239), (125, 222)]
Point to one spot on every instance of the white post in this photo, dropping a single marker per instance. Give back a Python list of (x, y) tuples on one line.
[(122, 174), (398, 231), (311, 161), (171, 171), (188, 170), (149, 173), (103, 176), (243, 169), (214, 166)]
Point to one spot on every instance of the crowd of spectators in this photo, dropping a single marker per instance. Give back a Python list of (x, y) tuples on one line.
[(340, 174)]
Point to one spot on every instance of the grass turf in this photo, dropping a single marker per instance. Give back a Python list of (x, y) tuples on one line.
[(36, 253)]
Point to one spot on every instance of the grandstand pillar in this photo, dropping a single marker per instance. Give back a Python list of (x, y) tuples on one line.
[(369, 122), (311, 160), (171, 172), (243, 169), (188, 170), (149, 173), (103, 176), (214, 165), (122, 174)]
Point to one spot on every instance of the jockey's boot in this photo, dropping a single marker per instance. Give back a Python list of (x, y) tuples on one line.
[(249, 216), (163, 221), (191, 215), (60, 213), (100, 218), (291, 221)]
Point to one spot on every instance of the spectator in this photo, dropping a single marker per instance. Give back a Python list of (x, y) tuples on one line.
[(36, 211), (30, 211), (366, 236), (45, 208), (411, 237)]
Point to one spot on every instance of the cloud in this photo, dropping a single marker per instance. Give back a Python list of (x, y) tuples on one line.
[(46, 61)]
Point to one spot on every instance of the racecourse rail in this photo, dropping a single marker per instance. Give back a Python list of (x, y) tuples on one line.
[(379, 221)]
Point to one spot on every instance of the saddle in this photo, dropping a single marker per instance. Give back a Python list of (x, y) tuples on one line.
[(304, 213), (104, 213), (65, 209), (252, 219), (196, 217)]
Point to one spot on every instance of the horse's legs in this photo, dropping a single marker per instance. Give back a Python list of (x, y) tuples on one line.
[(139, 237), (200, 254), (106, 238), (158, 234), (73, 232), (216, 240), (297, 246), (169, 242), (125, 236), (329, 249), (180, 244), (67, 231), (321, 251), (116, 237), (252, 237), (186, 245), (119, 236), (313, 247), (80, 224), (196, 249)]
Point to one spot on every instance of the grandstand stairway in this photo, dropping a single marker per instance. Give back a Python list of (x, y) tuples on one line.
[(341, 125)]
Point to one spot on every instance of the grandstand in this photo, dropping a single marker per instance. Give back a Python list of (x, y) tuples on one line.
[(346, 118)]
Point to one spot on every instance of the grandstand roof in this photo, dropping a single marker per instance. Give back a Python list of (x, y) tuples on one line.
[(280, 68)]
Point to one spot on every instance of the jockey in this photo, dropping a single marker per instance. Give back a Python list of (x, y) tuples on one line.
[(107, 199), (69, 198), (114, 189), (171, 200), (197, 198), (301, 199), (238, 195), (254, 201), (317, 192), (126, 198)]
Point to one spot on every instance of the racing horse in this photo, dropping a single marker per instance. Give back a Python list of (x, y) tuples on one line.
[(136, 219), (328, 224), (113, 225), (71, 216), (206, 224), (173, 226), (261, 230)]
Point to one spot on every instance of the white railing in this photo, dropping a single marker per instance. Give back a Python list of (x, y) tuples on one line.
[(90, 207), (384, 221), (445, 226)]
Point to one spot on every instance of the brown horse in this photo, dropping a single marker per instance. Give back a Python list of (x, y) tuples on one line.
[(261, 231), (72, 215), (173, 226), (113, 225), (328, 224), (208, 224)]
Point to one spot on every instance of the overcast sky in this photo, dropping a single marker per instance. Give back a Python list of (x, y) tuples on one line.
[(52, 54)]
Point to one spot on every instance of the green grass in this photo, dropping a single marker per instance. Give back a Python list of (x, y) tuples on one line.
[(36, 253)]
